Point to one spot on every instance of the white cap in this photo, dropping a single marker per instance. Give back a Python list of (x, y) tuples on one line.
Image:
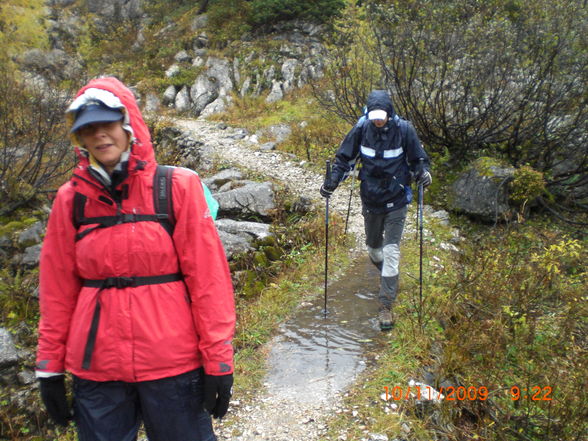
[(377, 114)]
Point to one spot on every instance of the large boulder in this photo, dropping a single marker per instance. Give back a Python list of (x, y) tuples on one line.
[(55, 64), (31, 256), (276, 93), (182, 100), (220, 69), (204, 91), (32, 235), (250, 200), (482, 191), (8, 353), (169, 96), (247, 230), (116, 10), (218, 180), (234, 244), (289, 73)]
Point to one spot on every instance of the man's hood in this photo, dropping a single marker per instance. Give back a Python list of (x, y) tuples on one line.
[(380, 100), (115, 94)]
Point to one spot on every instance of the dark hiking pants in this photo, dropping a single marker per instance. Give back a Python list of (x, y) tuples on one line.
[(383, 232), (171, 409)]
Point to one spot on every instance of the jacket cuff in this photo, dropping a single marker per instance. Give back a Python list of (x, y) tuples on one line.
[(51, 366), (218, 368), (43, 374)]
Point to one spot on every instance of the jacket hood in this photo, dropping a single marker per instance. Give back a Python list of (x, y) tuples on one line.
[(115, 94), (380, 100)]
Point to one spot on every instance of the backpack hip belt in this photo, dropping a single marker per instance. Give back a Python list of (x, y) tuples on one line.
[(118, 283)]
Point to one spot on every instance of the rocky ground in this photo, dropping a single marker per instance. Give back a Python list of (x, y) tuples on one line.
[(236, 147), (267, 416)]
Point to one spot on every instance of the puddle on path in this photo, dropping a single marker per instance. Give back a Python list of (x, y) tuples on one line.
[(314, 357)]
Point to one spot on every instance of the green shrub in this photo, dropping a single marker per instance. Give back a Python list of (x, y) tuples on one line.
[(317, 139), (479, 78), (527, 185), (520, 299), (227, 20), (35, 154), (269, 11)]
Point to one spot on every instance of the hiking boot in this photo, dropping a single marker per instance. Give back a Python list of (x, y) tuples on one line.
[(385, 319)]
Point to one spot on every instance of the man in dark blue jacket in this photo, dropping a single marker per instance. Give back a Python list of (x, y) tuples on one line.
[(391, 154)]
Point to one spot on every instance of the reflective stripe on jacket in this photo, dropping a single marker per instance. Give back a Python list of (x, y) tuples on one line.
[(387, 155)]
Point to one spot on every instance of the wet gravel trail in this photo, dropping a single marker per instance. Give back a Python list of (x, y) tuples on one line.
[(282, 410)]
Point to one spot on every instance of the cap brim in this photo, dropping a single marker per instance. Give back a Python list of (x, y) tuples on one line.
[(99, 115), (377, 114)]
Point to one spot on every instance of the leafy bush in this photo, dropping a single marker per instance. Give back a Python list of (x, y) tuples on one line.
[(229, 20), (520, 298), (497, 78), (35, 154), (316, 140), (269, 11), (21, 27), (527, 185), (352, 71)]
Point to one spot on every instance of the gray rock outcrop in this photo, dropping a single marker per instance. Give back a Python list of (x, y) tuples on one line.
[(32, 256), (482, 192), (234, 244), (32, 235), (298, 60), (54, 65), (116, 9), (216, 181), (204, 91), (245, 229), (252, 199), (8, 353)]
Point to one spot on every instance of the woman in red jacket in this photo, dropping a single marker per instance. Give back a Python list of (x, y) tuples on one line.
[(143, 317)]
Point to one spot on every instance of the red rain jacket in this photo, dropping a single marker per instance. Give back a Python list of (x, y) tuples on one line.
[(145, 332)]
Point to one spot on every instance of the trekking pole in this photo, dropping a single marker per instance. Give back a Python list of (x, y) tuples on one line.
[(327, 177), (420, 222), (349, 204)]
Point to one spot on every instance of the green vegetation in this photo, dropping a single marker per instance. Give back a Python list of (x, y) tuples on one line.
[(271, 11), (519, 295), (21, 27), (230, 19), (315, 133), (34, 152), (501, 79)]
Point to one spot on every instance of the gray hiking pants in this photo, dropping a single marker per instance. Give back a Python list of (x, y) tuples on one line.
[(383, 232)]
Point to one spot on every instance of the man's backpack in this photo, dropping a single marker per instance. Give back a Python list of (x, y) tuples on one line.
[(162, 201)]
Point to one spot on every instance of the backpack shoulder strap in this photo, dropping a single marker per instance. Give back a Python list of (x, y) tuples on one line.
[(162, 196), (79, 203), (403, 125)]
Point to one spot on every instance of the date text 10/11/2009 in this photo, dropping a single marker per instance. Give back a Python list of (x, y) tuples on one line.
[(461, 393)]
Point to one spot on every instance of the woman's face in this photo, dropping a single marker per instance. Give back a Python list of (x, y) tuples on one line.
[(106, 142)]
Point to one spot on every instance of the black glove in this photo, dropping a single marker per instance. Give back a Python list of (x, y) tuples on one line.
[(217, 393), (324, 192), (422, 175), (328, 188), (53, 396)]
